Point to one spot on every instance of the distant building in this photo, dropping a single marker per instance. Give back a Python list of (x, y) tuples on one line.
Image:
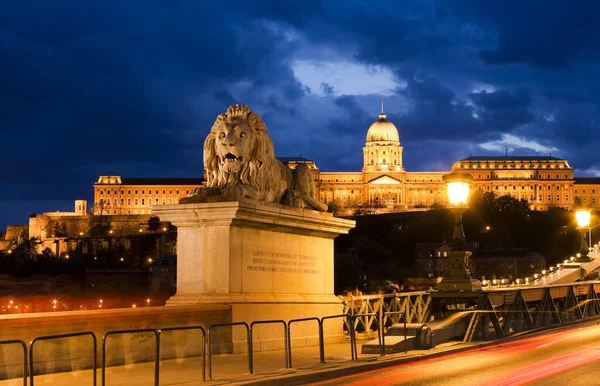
[(587, 191), (116, 195), (432, 261), (507, 264), (543, 181), (383, 183)]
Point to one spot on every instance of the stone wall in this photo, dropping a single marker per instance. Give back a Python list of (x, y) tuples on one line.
[(42, 225), (13, 232)]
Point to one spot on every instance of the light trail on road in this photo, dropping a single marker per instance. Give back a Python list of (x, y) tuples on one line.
[(546, 359)]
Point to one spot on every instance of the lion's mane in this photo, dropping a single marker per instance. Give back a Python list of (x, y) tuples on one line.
[(260, 169)]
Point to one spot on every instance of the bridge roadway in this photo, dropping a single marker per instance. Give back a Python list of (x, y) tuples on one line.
[(571, 272), (562, 357)]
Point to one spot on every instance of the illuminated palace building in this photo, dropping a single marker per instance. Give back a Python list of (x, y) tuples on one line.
[(115, 195), (543, 181)]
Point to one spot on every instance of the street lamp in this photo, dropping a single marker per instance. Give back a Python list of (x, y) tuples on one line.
[(459, 275), (583, 215)]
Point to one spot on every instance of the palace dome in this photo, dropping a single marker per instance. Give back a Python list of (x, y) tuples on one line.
[(383, 130)]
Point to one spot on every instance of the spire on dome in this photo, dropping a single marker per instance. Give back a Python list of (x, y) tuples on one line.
[(382, 116)]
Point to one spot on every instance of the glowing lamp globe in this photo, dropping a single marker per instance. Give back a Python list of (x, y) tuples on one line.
[(583, 218), (458, 188)]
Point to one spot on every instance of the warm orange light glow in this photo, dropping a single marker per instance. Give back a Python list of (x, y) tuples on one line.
[(134, 305), (457, 185), (458, 192), (583, 218)]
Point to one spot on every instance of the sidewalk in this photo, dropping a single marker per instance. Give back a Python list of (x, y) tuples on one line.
[(269, 368)]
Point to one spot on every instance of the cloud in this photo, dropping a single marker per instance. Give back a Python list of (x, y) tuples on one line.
[(93, 87), (547, 37), (590, 172), (501, 100), (344, 78), (516, 145)]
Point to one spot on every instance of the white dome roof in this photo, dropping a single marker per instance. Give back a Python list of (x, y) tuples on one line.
[(383, 130)]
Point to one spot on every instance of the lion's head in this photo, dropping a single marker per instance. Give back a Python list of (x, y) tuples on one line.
[(238, 150)]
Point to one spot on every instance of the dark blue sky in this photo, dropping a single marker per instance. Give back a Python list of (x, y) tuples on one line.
[(132, 87)]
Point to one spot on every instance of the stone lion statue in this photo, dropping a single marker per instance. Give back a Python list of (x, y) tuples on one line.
[(240, 162)]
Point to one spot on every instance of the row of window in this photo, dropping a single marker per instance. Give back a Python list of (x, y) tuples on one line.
[(383, 153), (541, 187), (514, 176), (136, 201), (143, 192), (511, 166), (128, 212), (583, 191)]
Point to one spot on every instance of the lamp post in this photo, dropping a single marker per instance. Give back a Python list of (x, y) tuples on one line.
[(459, 275), (582, 215)]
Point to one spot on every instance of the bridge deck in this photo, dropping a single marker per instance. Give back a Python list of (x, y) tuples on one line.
[(572, 272)]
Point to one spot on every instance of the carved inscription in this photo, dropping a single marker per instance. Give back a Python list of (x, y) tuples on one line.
[(267, 261)]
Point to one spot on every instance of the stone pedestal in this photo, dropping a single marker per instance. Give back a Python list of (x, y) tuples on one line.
[(459, 276), (266, 261)]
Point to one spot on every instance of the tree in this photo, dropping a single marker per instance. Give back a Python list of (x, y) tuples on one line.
[(60, 229), (154, 223)]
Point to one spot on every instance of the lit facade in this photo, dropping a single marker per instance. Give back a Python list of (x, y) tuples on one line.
[(543, 181), (115, 195), (383, 183)]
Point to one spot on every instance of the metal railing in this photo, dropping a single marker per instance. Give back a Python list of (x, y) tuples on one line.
[(379, 337), (156, 354), (199, 328), (289, 337), (24, 346), (413, 305), (63, 336), (249, 341), (285, 329), (348, 321)]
